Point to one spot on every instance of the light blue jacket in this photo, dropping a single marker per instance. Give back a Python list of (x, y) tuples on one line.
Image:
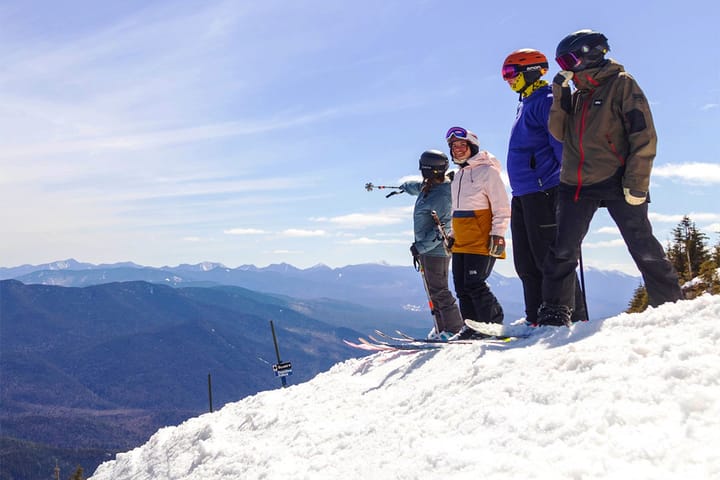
[(439, 198)]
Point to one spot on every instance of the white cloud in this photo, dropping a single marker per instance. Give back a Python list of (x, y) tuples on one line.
[(608, 230), (618, 242), (677, 217), (244, 231), (712, 228), (362, 220), (709, 106), (294, 232), (375, 241), (694, 172)]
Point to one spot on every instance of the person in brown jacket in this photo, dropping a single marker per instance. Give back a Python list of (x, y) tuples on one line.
[(609, 144)]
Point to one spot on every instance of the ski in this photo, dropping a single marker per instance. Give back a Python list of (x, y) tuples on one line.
[(499, 330), (481, 337), (398, 346), (362, 346)]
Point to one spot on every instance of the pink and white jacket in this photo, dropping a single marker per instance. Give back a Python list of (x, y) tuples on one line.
[(480, 204)]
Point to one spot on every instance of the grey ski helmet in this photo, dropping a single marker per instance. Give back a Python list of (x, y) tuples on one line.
[(433, 163), (582, 49)]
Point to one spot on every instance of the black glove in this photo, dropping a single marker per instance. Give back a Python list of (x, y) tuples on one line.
[(497, 246), (450, 242), (416, 257)]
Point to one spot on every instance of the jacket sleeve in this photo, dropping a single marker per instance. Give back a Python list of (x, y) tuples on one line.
[(556, 146), (641, 135), (411, 187), (499, 203), (558, 115)]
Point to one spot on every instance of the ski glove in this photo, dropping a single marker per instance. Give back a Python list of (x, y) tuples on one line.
[(634, 197), (416, 257), (563, 78), (497, 246), (450, 242)]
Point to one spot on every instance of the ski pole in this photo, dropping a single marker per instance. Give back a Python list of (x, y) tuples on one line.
[(441, 231), (433, 312), (582, 284), (369, 187)]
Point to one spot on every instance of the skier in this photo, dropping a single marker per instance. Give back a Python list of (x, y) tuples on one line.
[(533, 166), (609, 144), (480, 216), (431, 256)]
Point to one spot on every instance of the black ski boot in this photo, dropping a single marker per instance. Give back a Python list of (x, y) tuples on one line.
[(555, 315)]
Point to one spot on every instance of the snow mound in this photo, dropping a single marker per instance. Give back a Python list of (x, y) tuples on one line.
[(635, 396)]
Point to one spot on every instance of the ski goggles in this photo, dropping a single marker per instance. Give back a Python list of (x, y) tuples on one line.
[(511, 71), (568, 61), (457, 132)]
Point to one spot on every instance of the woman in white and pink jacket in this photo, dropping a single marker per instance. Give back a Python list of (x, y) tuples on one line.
[(480, 218)]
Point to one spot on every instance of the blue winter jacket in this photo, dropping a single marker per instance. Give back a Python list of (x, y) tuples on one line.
[(534, 156), (439, 198)]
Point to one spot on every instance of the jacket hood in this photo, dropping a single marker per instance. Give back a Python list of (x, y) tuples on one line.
[(592, 77), (483, 157)]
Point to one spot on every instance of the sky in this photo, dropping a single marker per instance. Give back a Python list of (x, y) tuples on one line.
[(634, 396), (239, 132)]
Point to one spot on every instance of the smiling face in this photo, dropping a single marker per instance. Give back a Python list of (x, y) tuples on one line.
[(460, 149)]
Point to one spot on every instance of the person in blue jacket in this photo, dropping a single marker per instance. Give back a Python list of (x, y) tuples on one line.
[(533, 166), (429, 250)]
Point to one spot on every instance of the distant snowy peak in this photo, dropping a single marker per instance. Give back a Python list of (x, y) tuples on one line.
[(281, 267), (199, 267), (609, 273), (247, 268), (319, 266), (69, 264)]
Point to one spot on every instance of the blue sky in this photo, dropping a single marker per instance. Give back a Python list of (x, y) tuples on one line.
[(168, 132)]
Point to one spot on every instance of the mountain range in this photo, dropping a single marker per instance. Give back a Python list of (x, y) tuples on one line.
[(95, 358), (100, 368), (396, 289)]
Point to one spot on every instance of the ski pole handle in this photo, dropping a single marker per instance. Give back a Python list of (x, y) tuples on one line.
[(441, 231)]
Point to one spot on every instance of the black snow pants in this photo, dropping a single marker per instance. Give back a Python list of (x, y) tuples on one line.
[(659, 276), (470, 272), (533, 225)]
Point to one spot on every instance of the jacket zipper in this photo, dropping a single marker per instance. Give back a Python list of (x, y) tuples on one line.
[(462, 173), (585, 107)]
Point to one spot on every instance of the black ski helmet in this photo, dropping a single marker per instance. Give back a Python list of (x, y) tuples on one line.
[(582, 49), (433, 163)]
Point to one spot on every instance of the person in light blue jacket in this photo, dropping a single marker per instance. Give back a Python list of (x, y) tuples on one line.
[(429, 250)]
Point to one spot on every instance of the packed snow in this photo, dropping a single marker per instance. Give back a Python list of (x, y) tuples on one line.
[(631, 397)]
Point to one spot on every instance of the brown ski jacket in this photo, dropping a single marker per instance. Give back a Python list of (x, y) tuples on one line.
[(606, 130)]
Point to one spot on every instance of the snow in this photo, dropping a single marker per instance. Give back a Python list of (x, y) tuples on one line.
[(634, 396)]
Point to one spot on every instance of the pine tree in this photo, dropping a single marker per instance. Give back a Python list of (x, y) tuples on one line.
[(710, 277), (688, 250), (639, 300), (78, 475)]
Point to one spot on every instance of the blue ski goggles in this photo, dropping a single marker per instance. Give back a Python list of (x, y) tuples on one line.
[(457, 132)]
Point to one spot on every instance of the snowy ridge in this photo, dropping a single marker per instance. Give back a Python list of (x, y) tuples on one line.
[(636, 396)]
